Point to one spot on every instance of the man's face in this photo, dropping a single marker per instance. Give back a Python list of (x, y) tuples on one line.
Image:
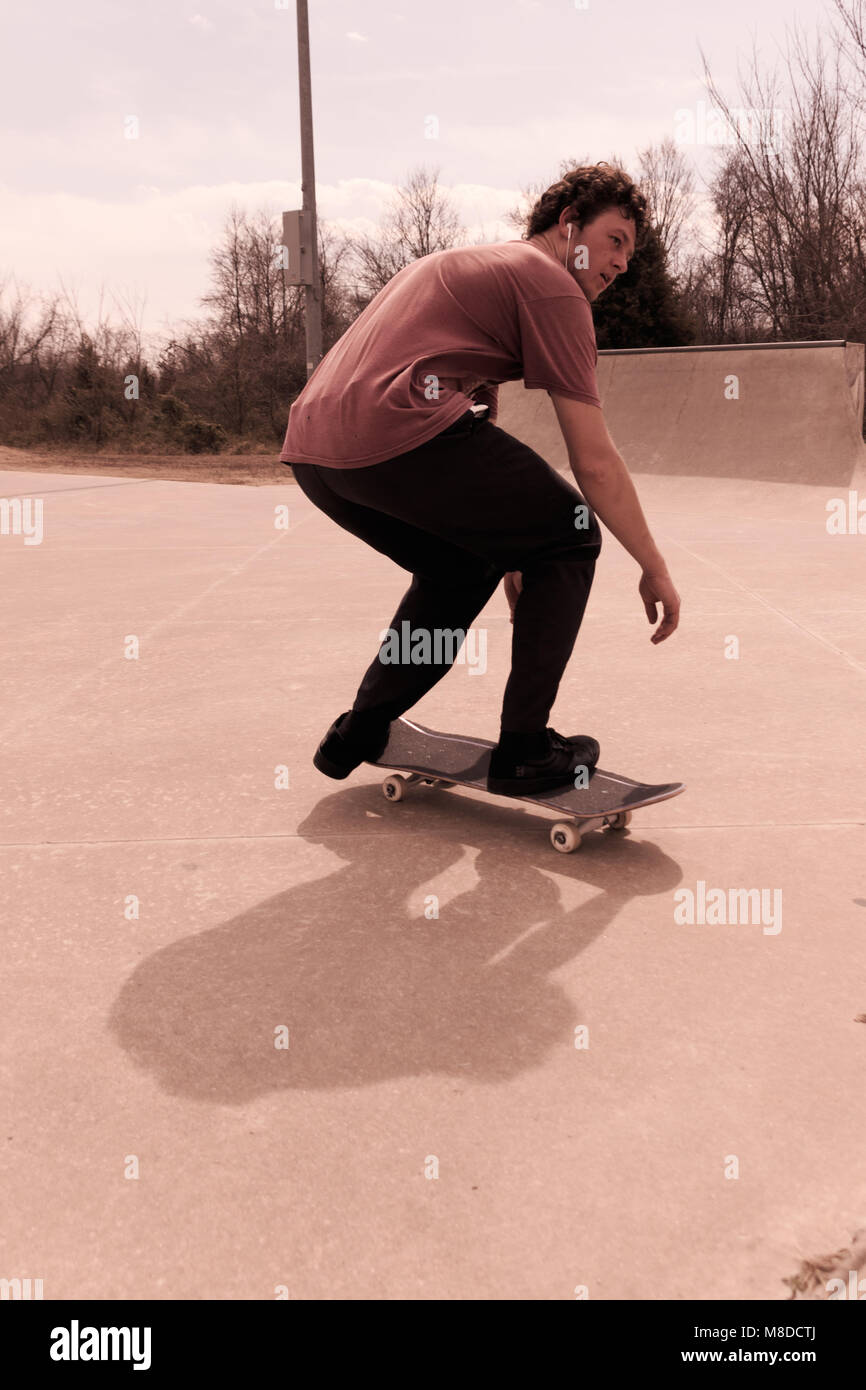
[(608, 241)]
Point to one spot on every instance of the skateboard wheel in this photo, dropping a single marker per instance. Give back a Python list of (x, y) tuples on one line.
[(565, 837), (620, 820), (393, 787)]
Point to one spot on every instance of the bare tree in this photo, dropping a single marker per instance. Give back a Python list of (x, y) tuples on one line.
[(714, 287), (420, 220), (518, 215), (852, 13), (247, 302), (229, 273), (21, 341), (668, 182), (801, 227)]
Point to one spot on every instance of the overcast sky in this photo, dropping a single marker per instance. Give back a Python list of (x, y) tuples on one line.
[(514, 86)]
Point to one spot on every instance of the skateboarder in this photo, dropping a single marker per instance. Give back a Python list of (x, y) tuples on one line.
[(394, 437)]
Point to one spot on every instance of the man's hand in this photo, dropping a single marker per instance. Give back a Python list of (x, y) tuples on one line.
[(655, 589), (513, 586)]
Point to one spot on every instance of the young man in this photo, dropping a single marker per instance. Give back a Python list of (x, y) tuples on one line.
[(394, 437)]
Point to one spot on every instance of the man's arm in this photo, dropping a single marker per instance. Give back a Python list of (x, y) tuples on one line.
[(604, 480)]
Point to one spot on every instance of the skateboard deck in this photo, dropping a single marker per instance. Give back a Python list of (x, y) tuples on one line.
[(449, 760)]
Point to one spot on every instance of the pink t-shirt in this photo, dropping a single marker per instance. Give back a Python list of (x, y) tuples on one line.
[(437, 339)]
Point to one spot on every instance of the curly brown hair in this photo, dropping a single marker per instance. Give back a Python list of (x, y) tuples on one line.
[(589, 191)]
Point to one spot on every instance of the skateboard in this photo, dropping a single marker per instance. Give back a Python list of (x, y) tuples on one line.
[(418, 755)]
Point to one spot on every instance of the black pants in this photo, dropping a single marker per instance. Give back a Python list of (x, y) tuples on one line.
[(457, 513)]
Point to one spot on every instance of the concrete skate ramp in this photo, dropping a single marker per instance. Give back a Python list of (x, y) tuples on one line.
[(781, 412)]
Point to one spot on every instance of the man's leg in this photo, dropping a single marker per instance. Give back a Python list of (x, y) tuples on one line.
[(484, 494), (547, 619), (449, 588), (446, 611)]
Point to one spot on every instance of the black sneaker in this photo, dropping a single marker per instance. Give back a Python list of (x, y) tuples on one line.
[(339, 754), (550, 764)]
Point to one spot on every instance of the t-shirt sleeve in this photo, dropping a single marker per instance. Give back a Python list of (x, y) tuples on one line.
[(558, 348)]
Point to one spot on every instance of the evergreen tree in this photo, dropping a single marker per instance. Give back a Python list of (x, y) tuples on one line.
[(641, 308)]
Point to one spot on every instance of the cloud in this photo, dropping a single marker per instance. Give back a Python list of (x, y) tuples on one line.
[(156, 246)]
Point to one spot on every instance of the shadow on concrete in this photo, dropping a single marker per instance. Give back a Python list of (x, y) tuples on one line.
[(368, 987)]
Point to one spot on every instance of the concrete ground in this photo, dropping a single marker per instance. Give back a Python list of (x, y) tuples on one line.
[(181, 884)]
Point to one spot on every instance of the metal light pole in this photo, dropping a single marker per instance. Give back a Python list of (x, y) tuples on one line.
[(308, 269)]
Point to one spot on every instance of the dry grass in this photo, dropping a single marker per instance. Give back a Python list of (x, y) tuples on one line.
[(811, 1279), (247, 470)]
